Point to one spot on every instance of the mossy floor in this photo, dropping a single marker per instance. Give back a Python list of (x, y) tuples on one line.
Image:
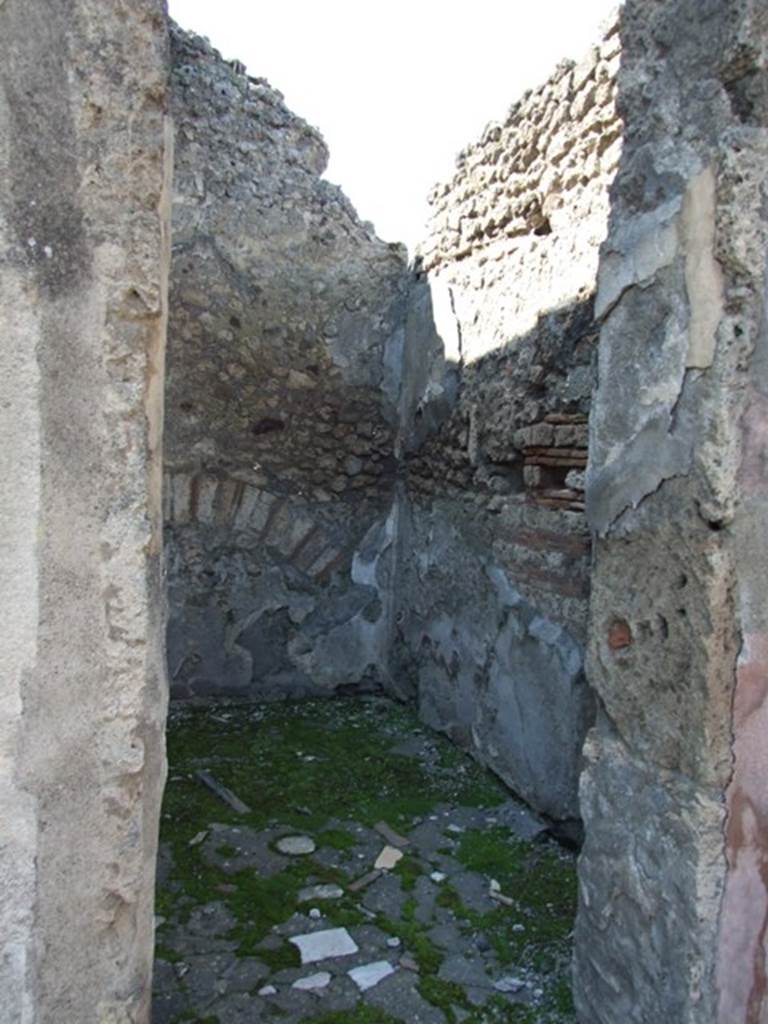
[(474, 921)]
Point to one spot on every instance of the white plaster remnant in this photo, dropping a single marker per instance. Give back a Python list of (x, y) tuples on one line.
[(703, 276), (388, 858), (368, 975), (313, 982), (316, 946)]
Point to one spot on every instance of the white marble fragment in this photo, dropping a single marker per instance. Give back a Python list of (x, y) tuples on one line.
[(313, 981), (368, 975), (320, 892), (438, 876), (322, 945), (388, 858), (267, 990)]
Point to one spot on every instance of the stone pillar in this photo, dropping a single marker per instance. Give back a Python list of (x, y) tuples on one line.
[(84, 158), (673, 900)]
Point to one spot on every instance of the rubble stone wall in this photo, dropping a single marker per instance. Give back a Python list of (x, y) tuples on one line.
[(283, 372), (84, 251), (500, 350), (673, 900)]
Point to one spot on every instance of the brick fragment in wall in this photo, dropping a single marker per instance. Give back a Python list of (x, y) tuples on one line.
[(202, 493), (254, 509)]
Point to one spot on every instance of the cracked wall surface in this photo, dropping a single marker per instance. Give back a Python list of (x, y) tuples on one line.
[(283, 374), (673, 900), (84, 250), (500, 347)]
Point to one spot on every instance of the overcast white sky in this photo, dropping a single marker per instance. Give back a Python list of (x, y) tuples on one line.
[(397, 88)]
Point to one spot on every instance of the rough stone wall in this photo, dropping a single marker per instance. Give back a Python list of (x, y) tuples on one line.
[(500, 346), (673, 908), (283, 359), (84, 156)]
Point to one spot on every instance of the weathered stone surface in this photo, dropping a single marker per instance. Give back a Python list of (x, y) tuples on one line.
[(498, 664), (283, 384), (497, 379), (84, 161), (672, 914)]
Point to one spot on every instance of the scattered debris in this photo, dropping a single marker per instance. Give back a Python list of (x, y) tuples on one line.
[(409, 963), (222, 792), (313, 982), (388, 858), (494, 891), (321, 945), (438, 876), (394, 942), (315, 914), (392, 837), (320, 892), (198, 838), (364, 881), (509, 984), (368, 975), (296, 846), (267, 990)]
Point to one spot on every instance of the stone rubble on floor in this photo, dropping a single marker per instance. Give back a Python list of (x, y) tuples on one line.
[(407, 937)]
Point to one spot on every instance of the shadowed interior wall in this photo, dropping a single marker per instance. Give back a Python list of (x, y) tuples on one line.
[(673, 904), (84, 251), (500, 347), (283, 362), (375, 478)]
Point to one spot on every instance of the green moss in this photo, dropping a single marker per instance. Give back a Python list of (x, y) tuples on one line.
[(262, 755), (500, 1011), (562, 996), (408, 870), (286, 955), (191, 1017), (543, 884), (415, 939), (337, 839), (166, 953), (361, 1014), (444, 994), (448, 897)]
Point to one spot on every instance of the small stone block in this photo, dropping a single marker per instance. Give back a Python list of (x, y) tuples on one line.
[(296, 846)]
